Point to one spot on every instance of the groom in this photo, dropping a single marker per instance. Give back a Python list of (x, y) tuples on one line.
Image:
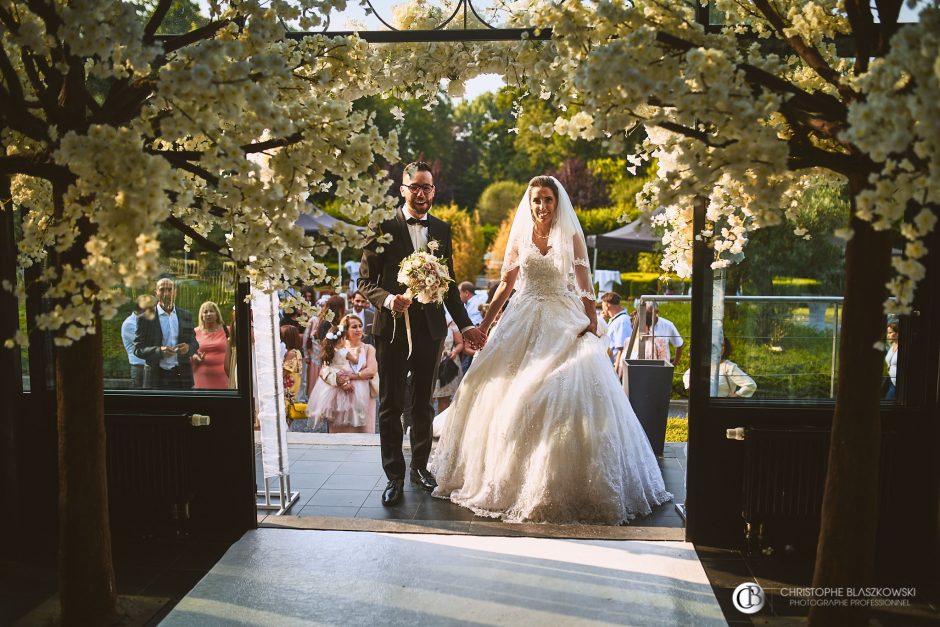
[(411, 229)]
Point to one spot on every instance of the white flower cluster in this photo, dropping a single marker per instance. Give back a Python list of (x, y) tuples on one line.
[(425, 276), (731, 122), (898, 125), (231, 133)]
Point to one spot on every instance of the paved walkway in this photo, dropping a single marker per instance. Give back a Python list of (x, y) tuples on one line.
[(340, 481)]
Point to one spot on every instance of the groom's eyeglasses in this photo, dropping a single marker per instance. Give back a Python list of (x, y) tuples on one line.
[(415, 188)]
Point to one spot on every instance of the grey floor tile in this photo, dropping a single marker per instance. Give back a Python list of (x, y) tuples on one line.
[(438, 509), (339, 498), (307, 481), (372, 469), (314, 467), (325, 455), (350, 482)]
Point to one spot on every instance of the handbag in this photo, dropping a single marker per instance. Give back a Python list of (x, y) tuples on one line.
[(374, 386), (296, 411), (447, 371)]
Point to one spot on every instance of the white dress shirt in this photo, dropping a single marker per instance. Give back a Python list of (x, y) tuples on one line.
[(170, 324), (419, 239)]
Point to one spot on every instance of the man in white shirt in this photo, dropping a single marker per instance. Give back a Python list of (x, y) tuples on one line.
[(472, 301), (618, 323), (139, 376), (662, 334)]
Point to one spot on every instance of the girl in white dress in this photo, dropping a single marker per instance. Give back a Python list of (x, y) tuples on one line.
[(540, 429)]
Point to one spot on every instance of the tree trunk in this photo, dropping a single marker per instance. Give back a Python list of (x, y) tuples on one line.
[(87, 594), (846, 548)]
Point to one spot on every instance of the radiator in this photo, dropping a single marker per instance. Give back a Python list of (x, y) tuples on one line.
[(782, 487), (784, 478), (150, 477)]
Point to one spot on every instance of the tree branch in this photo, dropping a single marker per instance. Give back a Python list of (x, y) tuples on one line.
[(816, 102), (32, 165), (206, 243), (809, 53), (204, 32), (156, 20), (48, 100), (863, 26), (695, 134)]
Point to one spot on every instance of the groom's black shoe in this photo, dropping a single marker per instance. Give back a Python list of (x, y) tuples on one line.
[(423, 478), (393, 492)]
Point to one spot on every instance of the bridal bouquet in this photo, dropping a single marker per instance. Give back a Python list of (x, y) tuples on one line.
[(426, 278), (425, 275)]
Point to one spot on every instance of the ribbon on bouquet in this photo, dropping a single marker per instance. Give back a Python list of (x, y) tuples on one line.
[(407, 294)]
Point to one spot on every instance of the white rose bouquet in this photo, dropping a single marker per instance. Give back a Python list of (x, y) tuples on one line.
[(426, 278), (425, 275)]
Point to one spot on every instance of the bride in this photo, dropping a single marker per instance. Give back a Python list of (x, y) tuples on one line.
[(540, 429)]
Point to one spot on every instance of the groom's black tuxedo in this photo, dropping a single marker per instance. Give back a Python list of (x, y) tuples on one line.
[(377, 279)]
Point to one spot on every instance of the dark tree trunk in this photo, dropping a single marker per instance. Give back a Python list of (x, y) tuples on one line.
[(87, 593), (846, 549)]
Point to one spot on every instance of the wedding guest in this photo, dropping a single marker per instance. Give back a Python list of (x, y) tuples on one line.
[(167, 341), (232, 357), (453, 372), (343, 397), (364, 311), (891, 361), (138, 367), (317, 328), (733, 382), (471, 301), (210, 362), (618, 323), (661, 335), (293, 364)]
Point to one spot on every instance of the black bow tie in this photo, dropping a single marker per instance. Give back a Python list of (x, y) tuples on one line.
[(423, 223)]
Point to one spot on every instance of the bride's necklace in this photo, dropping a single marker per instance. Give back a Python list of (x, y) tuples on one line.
[(540, 236)]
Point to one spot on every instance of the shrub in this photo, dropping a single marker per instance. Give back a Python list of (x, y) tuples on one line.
[(499, 200)]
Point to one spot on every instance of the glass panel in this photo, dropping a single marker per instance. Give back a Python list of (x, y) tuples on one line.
[(776, 347), (178, 333)]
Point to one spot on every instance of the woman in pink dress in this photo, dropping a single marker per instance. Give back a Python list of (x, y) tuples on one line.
[(342, 396), (211, 361)]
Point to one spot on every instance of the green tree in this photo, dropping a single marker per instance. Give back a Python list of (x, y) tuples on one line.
[(499, 200), (467, 238)]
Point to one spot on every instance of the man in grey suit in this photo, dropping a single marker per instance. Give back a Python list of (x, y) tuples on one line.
[(167, 340)]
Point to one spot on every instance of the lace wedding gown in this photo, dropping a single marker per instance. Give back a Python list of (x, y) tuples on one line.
[(540, 429)]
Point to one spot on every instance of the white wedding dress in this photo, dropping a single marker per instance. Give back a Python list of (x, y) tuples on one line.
[(540, 429)]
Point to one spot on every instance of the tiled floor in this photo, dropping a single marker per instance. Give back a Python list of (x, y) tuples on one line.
[(291, 577), (346, 481)]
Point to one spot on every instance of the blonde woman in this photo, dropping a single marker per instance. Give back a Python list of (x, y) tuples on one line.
[(211, 362)]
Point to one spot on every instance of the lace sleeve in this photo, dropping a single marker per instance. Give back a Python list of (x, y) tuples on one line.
[(510, 259), (584, 286)]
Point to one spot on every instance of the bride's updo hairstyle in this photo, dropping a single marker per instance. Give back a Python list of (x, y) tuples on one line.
[(543, 181)]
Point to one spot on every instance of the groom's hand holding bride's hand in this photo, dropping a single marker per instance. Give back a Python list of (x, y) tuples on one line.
[(475, 337)]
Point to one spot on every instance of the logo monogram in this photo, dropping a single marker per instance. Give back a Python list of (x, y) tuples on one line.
[(748, 598)]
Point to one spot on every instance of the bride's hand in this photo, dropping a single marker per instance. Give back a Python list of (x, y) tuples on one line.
[(590, 328)]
